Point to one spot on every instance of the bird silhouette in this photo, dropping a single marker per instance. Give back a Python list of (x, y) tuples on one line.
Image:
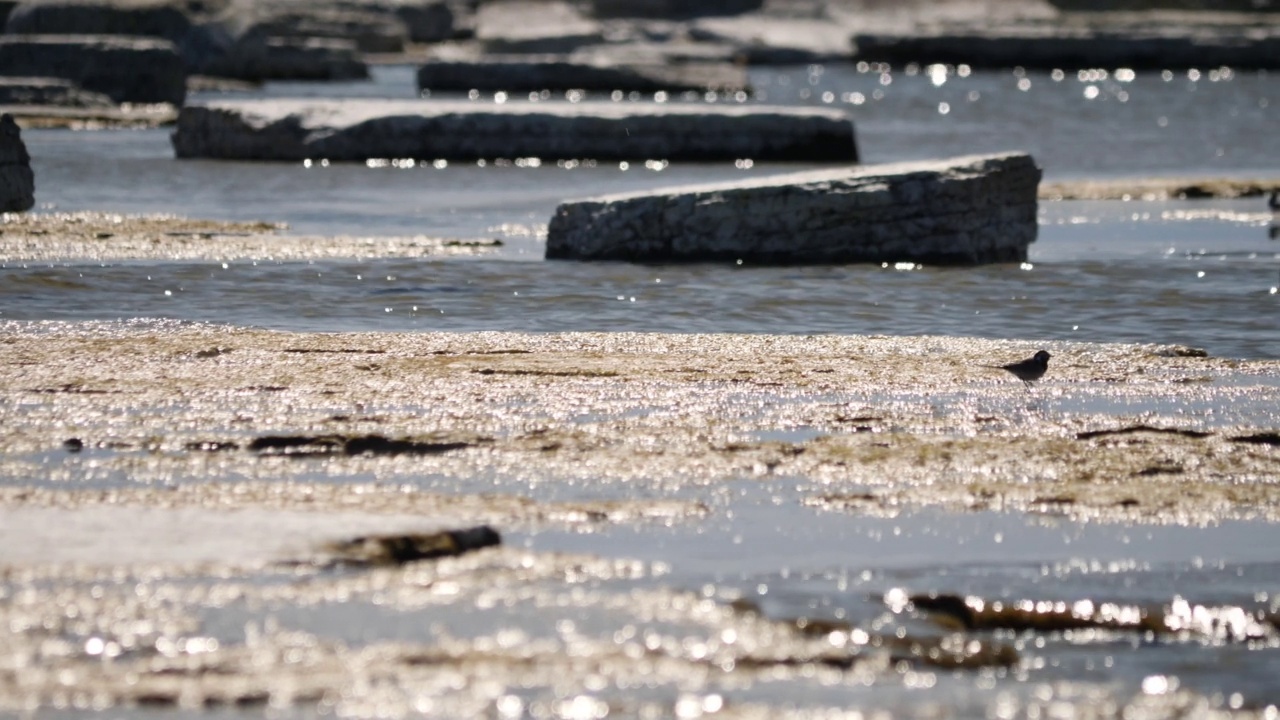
[(1029, 370)]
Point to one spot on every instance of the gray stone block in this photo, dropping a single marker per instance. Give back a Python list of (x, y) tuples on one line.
[(670, 9), (426, 21), (258, 58), (961, 211), (541, 26), (371, 29), (356, 130), (1045, 47), (49, 91), (17, 183), (126, 69), (558, 72), (167, 19)]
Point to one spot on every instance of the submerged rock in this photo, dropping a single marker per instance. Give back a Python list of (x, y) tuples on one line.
[(967, 210), (17, 182), (348, 130), (126, 69), (411, 547), (1221, 623)]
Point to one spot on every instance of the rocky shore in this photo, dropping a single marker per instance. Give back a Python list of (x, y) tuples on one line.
[(155, 46)]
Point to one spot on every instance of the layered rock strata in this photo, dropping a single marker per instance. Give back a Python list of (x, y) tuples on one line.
[(125, 69), (357, 130), (560, 72), (961, 211)]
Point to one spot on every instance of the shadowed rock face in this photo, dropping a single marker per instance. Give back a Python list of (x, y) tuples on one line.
[(126, 69), (359, 130), (567, 72), (166, 19), (17, 183), (962, 211), (1045, 46), (513, 26), (672, 9), (48, 91)]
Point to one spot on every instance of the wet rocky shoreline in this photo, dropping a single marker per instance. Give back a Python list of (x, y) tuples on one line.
[(209, 489)]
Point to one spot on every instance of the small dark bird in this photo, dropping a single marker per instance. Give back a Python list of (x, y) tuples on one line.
[(1273, 202), (1029, 370)]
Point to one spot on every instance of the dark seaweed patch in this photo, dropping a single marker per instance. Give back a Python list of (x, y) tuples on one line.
[(1091, 434)]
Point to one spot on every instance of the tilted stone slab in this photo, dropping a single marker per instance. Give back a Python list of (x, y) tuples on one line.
[(357, 130), (126, 69), (961, 211), (564, 72), (17, 183)]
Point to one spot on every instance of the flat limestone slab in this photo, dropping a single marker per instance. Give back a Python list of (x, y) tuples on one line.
[(1047, 47), (567, 72), (356, 130), (965, 210)]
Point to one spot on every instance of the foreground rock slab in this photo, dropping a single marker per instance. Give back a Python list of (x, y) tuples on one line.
[(356, 130), (967, 210), (17, 182)]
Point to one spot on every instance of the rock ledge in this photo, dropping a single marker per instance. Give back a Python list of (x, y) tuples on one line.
[(961, 211)]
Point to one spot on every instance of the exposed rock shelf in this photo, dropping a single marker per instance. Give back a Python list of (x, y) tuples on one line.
[(357, 130), (967, 210)]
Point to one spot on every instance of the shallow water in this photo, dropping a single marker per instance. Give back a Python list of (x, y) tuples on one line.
[(1200, 273)]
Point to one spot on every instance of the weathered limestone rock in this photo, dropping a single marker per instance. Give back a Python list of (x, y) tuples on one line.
[(961, 211), (126, 69), (167, 19), (542, 26), (1045, 46), (765, 40), (559, 72), (17, 183), (371, 29), (431, 129), (48, 91), (670, 9), (257, 58), (427, 22)]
